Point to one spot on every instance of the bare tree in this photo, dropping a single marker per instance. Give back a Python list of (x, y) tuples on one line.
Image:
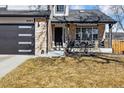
[(116, 12)]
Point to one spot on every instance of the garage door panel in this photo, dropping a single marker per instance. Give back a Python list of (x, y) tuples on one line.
[(27, 30), (8, 34), (11, 35), (25, 40), (10, 27), (25, 46)]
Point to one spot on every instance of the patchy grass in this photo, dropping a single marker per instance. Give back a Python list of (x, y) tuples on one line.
[(99, 71)]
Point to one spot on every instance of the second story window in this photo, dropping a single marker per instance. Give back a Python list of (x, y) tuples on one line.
[(60, 9)]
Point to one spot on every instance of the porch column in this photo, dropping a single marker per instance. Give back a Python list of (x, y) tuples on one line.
[(53, 36), (110, 36), (66, 33)]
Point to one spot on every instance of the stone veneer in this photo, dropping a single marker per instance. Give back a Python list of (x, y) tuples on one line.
[(40, 36)]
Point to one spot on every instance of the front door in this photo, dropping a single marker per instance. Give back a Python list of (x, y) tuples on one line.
[(58, 36)]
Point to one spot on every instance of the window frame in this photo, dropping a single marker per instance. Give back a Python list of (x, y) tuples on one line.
[(59, 9), (80, 33)]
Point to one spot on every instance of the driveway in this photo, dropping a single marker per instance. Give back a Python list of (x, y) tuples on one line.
[(10, 62)]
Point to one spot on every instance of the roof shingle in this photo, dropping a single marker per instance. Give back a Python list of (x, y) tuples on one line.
[(85, 16), (24, 13)]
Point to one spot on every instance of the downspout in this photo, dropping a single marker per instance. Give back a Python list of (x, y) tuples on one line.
[(47, 24), (47, 35)]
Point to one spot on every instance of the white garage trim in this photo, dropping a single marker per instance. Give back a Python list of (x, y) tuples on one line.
[(24, 43), (20, 35), (24, 26), (24, 50)]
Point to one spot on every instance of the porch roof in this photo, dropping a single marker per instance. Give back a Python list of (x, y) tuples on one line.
[(84, 16), (24, 13)]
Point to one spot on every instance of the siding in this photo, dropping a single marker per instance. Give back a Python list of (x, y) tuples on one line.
[(72, 31), (16, 20), (101, 28)]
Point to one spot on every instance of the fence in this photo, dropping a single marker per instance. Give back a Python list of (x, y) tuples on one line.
[(118, 46)]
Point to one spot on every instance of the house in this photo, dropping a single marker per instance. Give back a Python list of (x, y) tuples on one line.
[(39, 30), (19, 28)]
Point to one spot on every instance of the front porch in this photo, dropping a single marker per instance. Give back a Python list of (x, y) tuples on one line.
[(79, 37)]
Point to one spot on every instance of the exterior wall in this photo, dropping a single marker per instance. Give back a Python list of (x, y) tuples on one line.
[(40, 35), (72, 31), (101, 28)]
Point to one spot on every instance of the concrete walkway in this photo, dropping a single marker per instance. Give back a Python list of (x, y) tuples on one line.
[(8, 63), (53, 54)]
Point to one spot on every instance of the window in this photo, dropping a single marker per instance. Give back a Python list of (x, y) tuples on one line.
[(86, 33), (78, 34), (60, 8)]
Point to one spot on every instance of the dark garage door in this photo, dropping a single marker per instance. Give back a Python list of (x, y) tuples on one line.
[(17, 39)]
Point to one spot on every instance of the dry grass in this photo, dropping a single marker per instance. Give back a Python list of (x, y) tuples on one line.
[(68, 72)]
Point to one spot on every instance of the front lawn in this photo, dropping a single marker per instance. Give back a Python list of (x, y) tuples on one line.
[(98, 71)]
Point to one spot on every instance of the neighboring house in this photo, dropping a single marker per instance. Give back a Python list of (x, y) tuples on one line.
[(117, 35), (37, 31)]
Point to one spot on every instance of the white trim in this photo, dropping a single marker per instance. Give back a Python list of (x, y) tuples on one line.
[(86, 29), (25, 27), (24, 43), (61, 9), (66, 12), (21, 50), (106, 50), (21, 35)]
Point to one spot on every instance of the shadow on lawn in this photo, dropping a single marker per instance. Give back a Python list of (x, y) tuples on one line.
[(106, 59), (99, 58)]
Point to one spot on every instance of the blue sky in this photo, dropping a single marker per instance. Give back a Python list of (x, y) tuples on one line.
[(82, 7), (105, 9)]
